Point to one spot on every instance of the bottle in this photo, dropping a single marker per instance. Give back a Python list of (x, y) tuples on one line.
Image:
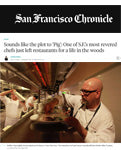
[(40, 107), (35, 108)]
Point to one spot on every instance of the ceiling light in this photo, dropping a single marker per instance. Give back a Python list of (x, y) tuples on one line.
[(37, 68)]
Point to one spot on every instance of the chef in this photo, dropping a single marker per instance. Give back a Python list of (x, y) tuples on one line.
[(91, 118), (13, 107), (30, 101)]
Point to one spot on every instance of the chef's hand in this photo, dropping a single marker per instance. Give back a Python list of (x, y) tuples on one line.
[(23, 105), (73, 122), (13, 90), (6, 92), (77, 126), (49, 107)]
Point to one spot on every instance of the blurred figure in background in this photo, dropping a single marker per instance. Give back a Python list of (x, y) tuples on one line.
[(13, 107), (30, 102)]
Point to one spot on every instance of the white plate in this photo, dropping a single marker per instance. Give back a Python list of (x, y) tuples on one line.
[(34, 117)]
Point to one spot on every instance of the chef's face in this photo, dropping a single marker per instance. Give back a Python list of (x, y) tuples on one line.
[(34, 98), (89, 94), (13, 97)]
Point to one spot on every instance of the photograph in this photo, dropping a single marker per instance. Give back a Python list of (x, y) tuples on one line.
[(60, 102)]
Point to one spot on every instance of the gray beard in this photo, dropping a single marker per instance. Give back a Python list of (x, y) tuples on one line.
[(85, 104)]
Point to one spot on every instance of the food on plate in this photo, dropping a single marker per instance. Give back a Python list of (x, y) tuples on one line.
[(48, 119), (56, 116), (52, 119), (58, 119)]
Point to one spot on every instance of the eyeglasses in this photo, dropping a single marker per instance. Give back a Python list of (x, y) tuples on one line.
[(85, 92)]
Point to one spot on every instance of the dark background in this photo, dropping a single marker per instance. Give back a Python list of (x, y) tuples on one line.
[(8, 13)]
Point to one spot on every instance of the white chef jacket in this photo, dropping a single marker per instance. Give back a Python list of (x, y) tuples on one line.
[(101, 129), (29, 100), (13, 110)]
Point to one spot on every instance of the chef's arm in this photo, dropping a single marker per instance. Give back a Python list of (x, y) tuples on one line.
[(6, 92), (105, 133), (30, 104), (23, 105), (71, 121), (82, 131)]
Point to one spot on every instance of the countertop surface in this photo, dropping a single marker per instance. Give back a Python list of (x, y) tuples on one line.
[(30, 132)]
